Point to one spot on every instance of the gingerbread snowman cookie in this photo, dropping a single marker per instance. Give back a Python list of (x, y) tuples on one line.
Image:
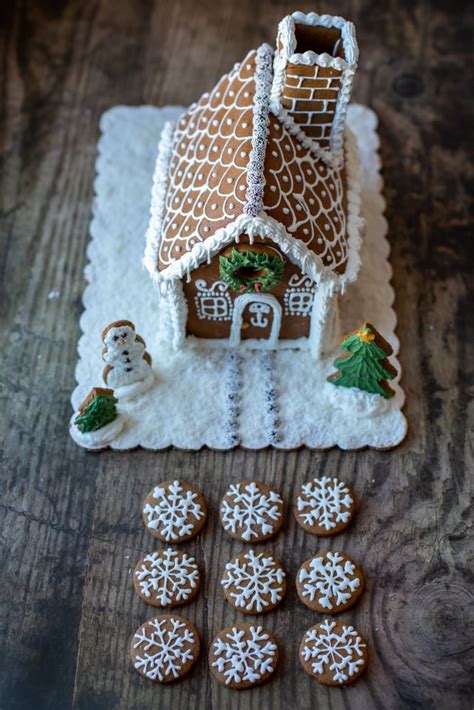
[(128, 369)]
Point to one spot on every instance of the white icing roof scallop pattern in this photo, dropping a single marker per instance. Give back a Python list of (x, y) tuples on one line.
[(305, 195), (207, 179)]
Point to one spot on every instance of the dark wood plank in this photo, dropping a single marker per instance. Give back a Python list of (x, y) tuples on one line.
[(71, 528)]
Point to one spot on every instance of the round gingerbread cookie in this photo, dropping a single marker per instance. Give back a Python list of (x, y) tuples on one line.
[(333, 653), (174, 511), (254, 583), (243, 655), (166, 578), (324, 506), (251, 511), (329, 582), (165, 648)]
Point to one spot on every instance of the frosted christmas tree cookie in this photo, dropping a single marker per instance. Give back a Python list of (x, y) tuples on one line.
[(254, 583), (333, 653), (97, 421), (365, 365), (329, 582), (167, 578), (165, 648), (128, 368), (324, 506), (174, 511), (251, 511), (243, 655)]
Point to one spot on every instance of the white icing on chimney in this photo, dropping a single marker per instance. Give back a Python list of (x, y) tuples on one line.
[(313, 88)]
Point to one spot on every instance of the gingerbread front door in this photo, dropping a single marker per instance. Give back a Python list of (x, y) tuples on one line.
[(256, 316)]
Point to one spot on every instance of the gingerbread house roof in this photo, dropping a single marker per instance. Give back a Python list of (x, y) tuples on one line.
[(234, 166)]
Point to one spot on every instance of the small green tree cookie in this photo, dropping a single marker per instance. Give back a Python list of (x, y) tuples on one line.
[(365, 366), (97, 410)]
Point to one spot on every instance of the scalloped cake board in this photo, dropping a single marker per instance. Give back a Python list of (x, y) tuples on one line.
[(215, 397)]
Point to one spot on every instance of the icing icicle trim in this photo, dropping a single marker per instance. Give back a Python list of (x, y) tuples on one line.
[(255, 169), (158, 198), (261, 226)]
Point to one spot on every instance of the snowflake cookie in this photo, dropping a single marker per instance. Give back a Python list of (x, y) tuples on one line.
[(166, 578), (251, 511), (164, 648), (333, 653), (324, 506), (243, 655), (174, 511), (329, 582), (254, 583)]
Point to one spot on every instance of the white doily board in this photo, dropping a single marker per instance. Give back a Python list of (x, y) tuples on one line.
[(190, 406)]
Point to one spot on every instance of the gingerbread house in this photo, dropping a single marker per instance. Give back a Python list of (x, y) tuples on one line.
[(255, 219)]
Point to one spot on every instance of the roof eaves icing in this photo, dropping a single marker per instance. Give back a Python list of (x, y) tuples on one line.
[(263, 227)]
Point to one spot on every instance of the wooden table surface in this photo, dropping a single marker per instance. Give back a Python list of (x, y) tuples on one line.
[(70, 527)]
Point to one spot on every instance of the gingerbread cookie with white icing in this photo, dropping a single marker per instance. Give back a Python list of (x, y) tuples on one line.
[(174, 511), (128, 368), (329, 582), (251, 511), (167, 578), (333, 652), (324, 506), (254, 583), (165, 648), (243, 655)]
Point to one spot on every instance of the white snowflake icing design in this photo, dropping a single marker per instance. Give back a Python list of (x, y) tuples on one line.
[(330, 578), (325, 502), (170, 648), (338, 652), (244, 660), (172, 512), (168, 576), (258, 581), (250, 512)]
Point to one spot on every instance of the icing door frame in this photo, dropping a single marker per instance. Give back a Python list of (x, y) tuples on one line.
[(241, 302)]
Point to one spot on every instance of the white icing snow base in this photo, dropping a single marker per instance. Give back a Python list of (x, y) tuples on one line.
[(209, 396)]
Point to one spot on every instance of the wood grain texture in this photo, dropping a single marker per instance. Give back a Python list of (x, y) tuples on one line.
[(71, 528)]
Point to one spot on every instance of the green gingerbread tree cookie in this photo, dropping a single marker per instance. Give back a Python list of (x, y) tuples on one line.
[(97, 410), (365, 366)]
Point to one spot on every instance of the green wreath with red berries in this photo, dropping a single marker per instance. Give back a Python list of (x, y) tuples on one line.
[(250, 271)]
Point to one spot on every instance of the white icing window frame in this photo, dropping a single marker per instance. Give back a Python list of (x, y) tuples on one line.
[(218, 290)]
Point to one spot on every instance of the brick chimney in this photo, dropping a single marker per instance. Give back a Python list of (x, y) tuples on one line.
[(315, 63)]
